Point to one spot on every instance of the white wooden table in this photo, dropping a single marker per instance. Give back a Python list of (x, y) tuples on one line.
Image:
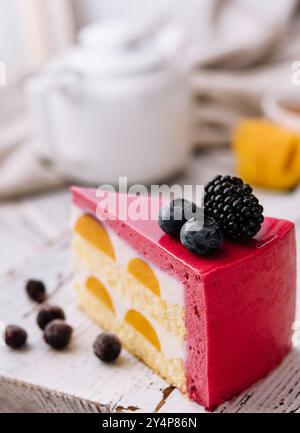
[(34, 241)]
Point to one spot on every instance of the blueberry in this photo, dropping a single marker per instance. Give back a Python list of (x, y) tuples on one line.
[(175, 214), (49, 313), (15, 337), (107, 347), (58, 334), (199, 239)]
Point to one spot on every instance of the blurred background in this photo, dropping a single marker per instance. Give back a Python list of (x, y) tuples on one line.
[(160, 91)]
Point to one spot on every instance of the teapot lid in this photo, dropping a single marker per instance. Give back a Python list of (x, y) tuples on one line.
[(124, 47)]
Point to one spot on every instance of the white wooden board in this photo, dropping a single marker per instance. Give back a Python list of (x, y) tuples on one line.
[(38, 379)]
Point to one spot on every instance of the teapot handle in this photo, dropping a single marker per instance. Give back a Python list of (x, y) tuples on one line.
[(39, 94), (38, 91)]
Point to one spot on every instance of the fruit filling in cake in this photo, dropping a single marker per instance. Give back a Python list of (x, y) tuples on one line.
[(209, 308), (128, 295)]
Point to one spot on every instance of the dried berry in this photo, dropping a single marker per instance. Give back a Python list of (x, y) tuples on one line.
[(36, 290), (58, 334), (15, 337), (107, 347), (49, 313)]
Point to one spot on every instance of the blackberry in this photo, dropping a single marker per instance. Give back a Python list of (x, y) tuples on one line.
[(234, 207)]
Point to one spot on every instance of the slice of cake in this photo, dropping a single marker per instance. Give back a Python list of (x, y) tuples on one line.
[(210, 326)]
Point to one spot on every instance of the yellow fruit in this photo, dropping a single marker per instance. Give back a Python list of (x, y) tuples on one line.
[(144, 274), (99, 291), (267, 154), (93, 231), (144, 327)]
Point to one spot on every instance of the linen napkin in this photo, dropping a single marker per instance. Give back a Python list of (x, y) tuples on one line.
[(242, 48)]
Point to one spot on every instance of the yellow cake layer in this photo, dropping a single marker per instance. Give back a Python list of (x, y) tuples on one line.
[(170, 316), (170, 369)]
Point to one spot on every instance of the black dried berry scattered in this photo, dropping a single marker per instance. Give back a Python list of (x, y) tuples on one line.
[(201, 239), (107, 347), (15, 337), (49, 313), (175, 214), (58, 334), (231, 203), (36, 290)]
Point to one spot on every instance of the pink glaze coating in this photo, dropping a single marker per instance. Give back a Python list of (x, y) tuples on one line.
[(240, 302)]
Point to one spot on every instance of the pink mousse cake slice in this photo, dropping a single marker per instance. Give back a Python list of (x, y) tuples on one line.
[(211, 326)]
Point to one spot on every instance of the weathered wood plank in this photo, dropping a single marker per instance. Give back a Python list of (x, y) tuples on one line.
[(27, 224), (75, 372), (38, 379), (41, 380)]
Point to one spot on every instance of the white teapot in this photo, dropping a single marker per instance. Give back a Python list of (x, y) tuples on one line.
[(117, 104)]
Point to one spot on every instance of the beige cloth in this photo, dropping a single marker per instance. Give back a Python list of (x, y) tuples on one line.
[(243, 47), (247, 48), (22, 170)]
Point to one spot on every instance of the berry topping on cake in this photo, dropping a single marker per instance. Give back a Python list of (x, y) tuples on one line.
[(58, 334), (49, 313), (234, 207), (175, 214), (211, 326), (15, 337), (36, 290), (199, 239), (107, 347)]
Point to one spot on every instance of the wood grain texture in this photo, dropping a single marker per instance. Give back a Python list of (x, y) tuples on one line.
[(75, 372), (25, 225), (38, 379), (34, 232)]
